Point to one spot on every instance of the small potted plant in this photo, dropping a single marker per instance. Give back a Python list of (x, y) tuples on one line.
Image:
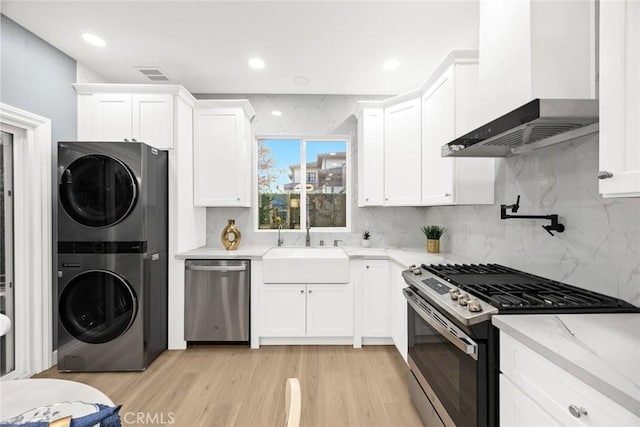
[(366, 239), (433, 234)]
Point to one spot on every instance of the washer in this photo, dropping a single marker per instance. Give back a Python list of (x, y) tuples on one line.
[(112, 312), (111, 192)]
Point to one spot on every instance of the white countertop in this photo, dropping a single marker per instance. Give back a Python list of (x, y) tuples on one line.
[(602, 350), (403, 256), (208, 252)]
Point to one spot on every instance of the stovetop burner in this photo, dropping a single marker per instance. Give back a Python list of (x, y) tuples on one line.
[(512, 290)]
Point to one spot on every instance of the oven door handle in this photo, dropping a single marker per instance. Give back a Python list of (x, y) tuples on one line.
[(465, 343)]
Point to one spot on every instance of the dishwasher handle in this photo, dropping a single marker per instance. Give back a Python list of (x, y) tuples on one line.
[(242, 267)]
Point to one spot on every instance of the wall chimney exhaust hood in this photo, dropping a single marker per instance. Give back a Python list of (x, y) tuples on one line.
[(537, 124)]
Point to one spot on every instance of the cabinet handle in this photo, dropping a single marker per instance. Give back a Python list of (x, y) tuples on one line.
[(301, 291), (447, 195), (367, 266), (126, 140), (238, 199), (366, 199), (577, 411), (604, 175), (309, 290), (134, 140)]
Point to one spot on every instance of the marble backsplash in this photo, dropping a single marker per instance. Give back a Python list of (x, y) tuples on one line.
[(600, 247), (317, 115), (599, 250)]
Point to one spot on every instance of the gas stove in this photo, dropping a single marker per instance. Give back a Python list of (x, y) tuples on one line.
[(472, 293)]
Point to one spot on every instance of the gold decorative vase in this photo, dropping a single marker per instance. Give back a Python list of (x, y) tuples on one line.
[(231, 236), (433, 246)]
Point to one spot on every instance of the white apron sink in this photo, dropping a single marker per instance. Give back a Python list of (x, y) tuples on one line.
[(305, 265)]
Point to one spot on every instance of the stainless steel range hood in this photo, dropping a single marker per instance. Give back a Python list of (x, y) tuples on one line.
[(537, 124)]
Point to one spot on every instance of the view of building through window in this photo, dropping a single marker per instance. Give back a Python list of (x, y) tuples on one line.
[(302, 180)]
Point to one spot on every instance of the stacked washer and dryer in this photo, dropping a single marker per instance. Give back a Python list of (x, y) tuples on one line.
[(112, 255)]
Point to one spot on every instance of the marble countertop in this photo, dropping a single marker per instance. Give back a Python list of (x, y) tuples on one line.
[(208, 252), (602, 350), (403, 256)]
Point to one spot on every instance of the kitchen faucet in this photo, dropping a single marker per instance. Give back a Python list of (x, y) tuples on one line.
[(307, 241), (280, 241)]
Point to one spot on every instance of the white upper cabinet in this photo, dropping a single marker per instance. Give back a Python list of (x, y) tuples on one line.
[(402, 148), (222, 153), (535, 49), (619, 98), (127, 115), (371, 157), (448, 112)]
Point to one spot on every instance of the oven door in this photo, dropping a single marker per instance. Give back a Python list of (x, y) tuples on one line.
[(444, 361)]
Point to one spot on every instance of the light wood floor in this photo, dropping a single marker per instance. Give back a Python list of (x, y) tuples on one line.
[(236, 386)]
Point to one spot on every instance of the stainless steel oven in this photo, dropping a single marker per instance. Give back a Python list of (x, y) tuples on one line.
[(454, 350), (445, 362)]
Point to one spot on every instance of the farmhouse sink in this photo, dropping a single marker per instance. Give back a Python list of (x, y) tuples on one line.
[(305, 265)]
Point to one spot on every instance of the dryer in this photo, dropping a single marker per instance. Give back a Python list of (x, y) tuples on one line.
[(112, 312), (112, 192)]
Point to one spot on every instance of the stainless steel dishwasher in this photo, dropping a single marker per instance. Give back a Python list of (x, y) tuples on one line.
[(217, 300)]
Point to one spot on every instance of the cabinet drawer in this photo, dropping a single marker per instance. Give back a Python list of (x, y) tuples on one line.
[(555, 389)]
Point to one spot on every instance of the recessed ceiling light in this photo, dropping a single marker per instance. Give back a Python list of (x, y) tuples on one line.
[(391, 64), (276, 113), (302, 80), (256, 63), (94, 40)]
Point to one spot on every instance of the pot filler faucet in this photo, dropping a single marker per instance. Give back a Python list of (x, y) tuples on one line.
[(554, 226)]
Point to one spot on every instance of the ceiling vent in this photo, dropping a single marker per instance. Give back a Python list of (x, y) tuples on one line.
[(153, 73)]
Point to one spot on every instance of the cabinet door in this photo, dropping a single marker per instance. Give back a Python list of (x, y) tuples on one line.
[(398, 311), (402, 154), (620, 98), (222, 159), (283, 310), (112, 117), (376, 292), (438, 128), (329, 310), (153, 119), (518, 409), (370, 157)]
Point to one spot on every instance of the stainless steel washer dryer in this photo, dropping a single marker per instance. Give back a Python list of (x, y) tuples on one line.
[(112, 311), (111, 192)]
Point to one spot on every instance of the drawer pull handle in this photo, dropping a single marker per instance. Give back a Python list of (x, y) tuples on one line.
[(577, 411), (604, 175)]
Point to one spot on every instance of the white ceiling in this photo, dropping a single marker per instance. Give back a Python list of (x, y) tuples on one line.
[(205, 45)]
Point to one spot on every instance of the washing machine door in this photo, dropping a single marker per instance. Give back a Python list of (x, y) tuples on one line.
[(97, 306), (98, 190)]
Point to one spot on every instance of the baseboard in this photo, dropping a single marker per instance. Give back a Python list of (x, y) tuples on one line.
[(306, 341)]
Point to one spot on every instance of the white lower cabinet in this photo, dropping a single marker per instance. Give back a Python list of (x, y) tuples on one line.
[(398, 311), (536, 392), (307, 310), (518, 409), (376, 293)]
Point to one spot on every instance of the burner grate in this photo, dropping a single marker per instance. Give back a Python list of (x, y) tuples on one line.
[(512, 290)]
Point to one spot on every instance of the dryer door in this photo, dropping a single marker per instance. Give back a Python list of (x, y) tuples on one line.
[(97, 306), (98, 190)]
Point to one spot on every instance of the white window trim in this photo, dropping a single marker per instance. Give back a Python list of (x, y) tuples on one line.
[(303, 173), (32, 239)]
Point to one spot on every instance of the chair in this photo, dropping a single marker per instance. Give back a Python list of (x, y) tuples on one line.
[(293, 403)]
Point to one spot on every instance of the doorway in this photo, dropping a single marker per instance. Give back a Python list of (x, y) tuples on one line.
[(7, 306)]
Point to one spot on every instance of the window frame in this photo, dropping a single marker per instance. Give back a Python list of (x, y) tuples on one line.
[(304, 139)]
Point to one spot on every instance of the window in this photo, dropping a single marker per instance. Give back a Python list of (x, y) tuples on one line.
[(303, 179)]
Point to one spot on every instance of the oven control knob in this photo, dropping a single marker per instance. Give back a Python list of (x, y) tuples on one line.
[(474, 306), (454, 293), (463, 299)]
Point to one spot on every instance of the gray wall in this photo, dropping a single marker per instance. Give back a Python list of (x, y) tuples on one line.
[(37, 77)]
